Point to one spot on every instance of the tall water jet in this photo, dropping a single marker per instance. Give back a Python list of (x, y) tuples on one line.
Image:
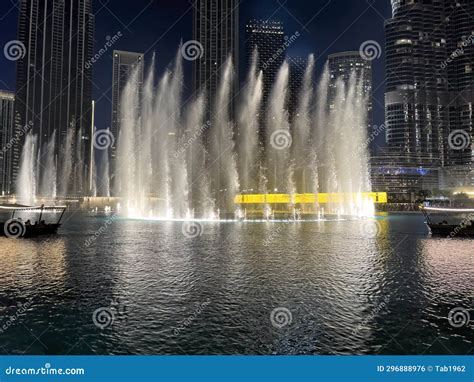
[(222, 159), (301, 151), (26, 183), (66, 161), (248, 128), (178, 171), (128, 148), (192, 147), (49, 172), (278, 140)]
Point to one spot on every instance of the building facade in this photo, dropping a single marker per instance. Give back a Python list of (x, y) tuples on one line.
[(7, 141), (297, 66), (54, 85), (216, 29), (123, 64), (342, 65), (429, 84), (268, 38)]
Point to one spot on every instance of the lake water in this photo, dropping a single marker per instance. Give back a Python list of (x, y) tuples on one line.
[(117, 286)]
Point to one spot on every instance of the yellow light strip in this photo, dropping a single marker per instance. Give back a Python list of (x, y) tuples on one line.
[(320, 198)]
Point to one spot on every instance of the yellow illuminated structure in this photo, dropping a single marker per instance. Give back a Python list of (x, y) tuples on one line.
[(320, 198)]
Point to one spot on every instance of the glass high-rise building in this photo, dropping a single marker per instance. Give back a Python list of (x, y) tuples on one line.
[(297, 66), (268, 37), (7, 141), (429, 81), (342, 65), (123, 64), (216, 28), (54, 87)]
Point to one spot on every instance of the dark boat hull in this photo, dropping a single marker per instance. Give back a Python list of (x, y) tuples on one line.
[(31, 230), (449, 230)]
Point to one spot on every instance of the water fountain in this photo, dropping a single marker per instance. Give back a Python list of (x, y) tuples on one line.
[(172, 164)]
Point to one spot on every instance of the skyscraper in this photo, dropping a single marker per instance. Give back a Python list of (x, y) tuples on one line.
[(268, 37), (54, 86), (123, 64), (216, 29), (343, 64), (429, 86), (460, 73), (295, 82), (7, 142)]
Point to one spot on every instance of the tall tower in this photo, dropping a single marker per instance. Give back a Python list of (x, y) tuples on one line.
[(342, 65), (429, 83), (123, 64), (416, 98), (267, 36), (7, 141), (216, 29), (54, 87)]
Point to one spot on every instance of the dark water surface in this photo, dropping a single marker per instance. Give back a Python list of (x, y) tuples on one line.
[(347, 287)]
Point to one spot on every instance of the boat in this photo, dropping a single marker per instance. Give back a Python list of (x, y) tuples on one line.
[(16, 227), (463, 228)]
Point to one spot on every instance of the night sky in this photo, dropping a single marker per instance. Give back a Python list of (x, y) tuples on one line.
[(326, 26)]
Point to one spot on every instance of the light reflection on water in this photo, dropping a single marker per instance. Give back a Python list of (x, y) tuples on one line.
[(384, 287)]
